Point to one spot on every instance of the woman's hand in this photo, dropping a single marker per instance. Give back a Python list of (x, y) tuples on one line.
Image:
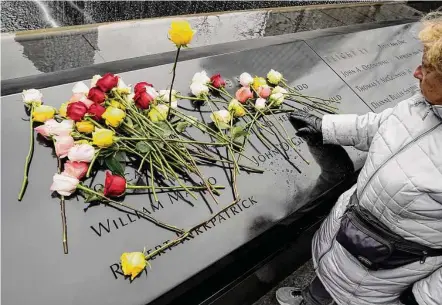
[(308, 125)]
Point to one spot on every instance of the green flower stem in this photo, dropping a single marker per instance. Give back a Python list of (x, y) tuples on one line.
[(189, 98), (178, 179), (152, 180), (172, 188), (308, 105), (168, 245), (92, 163), (117, 204), (63, 213), (94, 122), (28, 157), (173, 79), (172, 140)]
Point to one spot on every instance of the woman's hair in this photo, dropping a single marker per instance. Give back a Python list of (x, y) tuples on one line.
[(431, 37)]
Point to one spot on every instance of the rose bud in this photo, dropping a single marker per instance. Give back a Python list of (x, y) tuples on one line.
[(107, 82), (75, 169), (81, 153), (64, 185), (97, 111), (132, 263), (141, 86), (62, 145), (243, 94), (260, 103), (142, 99), (217, 81), (245, 79), (264, 91), (96, 95), (76, 111), (114, 185)]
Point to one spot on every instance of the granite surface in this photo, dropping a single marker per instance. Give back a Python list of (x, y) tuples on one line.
[(31, 53), (20, 15)]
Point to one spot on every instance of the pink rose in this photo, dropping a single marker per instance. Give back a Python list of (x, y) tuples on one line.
[(62, 145), (243, 94), (264, 91), (75, 169), (81, 153), (80, 97), (63, 184), (53, 128)]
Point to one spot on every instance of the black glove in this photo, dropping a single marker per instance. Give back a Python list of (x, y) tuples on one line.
[(308, 125)]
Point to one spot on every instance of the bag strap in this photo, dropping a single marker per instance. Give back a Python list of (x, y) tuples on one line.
[(400, 243)]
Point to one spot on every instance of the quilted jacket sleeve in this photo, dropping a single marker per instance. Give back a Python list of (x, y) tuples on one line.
[(428, 291), (351, 129)]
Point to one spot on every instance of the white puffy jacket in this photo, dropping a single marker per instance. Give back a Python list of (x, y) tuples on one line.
[(401, 184)]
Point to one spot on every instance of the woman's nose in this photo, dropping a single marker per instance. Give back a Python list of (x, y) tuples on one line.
[(418, 72)]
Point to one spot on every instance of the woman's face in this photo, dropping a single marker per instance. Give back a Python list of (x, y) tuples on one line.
[(430, 82)]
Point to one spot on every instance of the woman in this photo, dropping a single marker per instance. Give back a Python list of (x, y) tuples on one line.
[(396, 205)]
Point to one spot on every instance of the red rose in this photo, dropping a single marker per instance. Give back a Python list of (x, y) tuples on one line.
[(141, 86), (107, 82), (97, 110), (96, 95), (142, 99), (114, 185), (76, 111), (217, 81)]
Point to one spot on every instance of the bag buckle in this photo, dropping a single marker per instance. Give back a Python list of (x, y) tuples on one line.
[(424, 257)]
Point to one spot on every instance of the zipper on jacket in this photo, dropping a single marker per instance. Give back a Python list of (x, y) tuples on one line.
[(394, 155)]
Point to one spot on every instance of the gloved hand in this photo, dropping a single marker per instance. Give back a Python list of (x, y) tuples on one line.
[(308, 125)]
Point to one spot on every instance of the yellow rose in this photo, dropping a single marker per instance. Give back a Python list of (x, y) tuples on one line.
[(43, 113), (181, 33), (113, 116), (63, 109), (158, 113), (117, 104), (132, 263), (103, 137), (236, 108), (85, 126), (258, 82)]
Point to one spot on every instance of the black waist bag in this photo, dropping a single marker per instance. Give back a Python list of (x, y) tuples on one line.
[(375, 245)]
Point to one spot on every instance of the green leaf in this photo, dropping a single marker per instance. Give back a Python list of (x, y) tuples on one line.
[(143, 147), (181, 126), (166, 131), (238, 132), (114, 165), (129, 121), (92, 197)]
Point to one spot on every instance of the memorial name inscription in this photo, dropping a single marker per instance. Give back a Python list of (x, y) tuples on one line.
[(379, 73)]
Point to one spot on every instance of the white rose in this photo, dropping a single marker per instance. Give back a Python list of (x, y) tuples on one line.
[(122, 86), (32, 95), (279, 89), (80, 87), (245, 79), (221, 116), (151, 92), (94, 80), (276, 99), (81, 153), (274, 77), (199, 89), (164, 95), (63, 184), (260, 103), (201, 77)]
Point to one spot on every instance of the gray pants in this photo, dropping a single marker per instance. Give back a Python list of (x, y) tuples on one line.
[(315, 293)]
